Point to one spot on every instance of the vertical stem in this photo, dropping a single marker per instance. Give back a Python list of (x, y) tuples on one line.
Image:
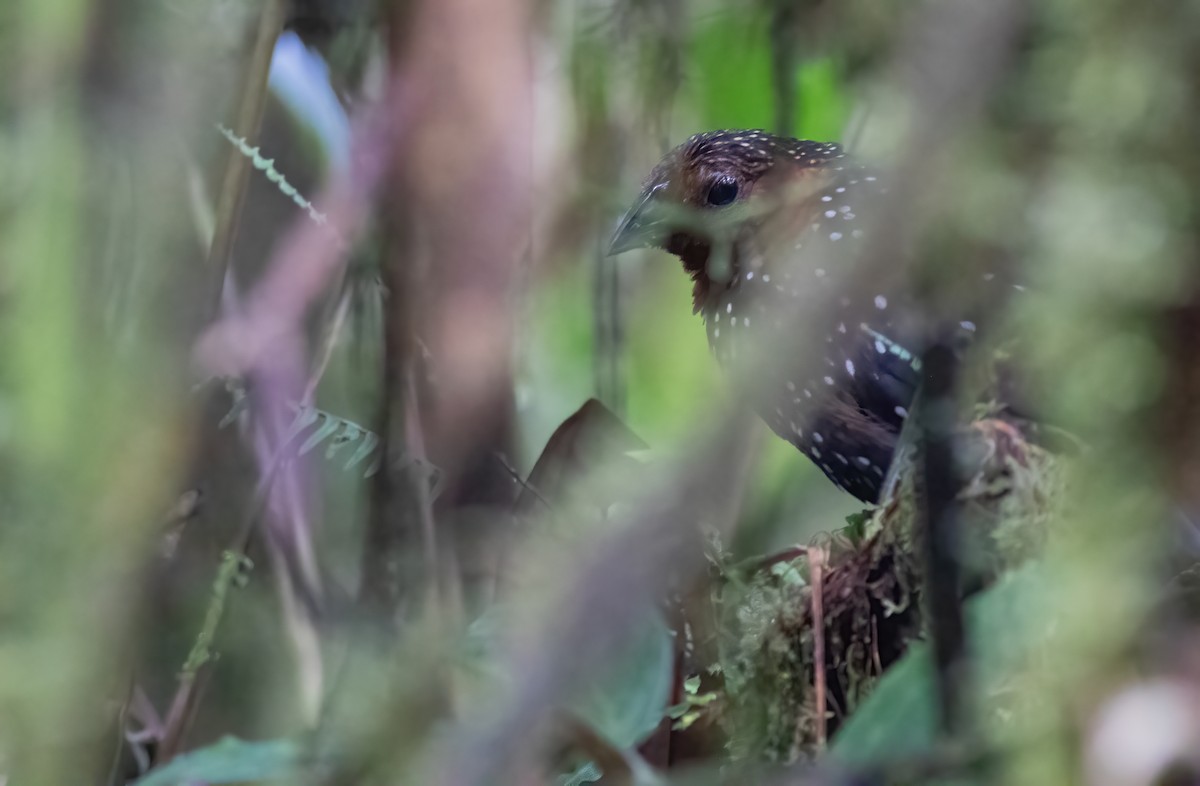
[(394, 568), (609, 336), (938, 497), (783, 64), (399, 551), (816, 573), (246, 125)]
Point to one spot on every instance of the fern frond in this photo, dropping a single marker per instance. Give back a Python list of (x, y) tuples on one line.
[(267, 167), (320, 426), (338, 432)]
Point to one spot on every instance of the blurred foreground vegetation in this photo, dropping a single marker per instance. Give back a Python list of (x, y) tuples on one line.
[(412, 484)]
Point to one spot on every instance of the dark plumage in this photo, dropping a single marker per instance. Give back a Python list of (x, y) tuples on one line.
[(751, 215)]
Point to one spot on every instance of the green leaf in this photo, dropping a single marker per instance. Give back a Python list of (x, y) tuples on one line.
[(231, 761), (899, 717), (628, 698)]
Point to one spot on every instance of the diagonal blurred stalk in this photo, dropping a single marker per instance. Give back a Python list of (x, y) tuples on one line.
[(251, 106)]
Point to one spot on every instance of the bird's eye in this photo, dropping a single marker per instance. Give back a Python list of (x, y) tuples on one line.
[(722, 192)]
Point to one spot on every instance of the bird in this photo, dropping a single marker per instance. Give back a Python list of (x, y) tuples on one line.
[(758, 221)]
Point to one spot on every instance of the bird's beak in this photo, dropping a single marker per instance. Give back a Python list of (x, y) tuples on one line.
[(644, 226)]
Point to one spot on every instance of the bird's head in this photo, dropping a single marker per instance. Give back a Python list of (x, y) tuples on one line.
[(715, 188)]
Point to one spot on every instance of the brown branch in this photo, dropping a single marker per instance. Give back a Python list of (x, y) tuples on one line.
[(246, 125), (816, 572)]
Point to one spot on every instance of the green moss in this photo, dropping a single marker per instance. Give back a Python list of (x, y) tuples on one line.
[(870, 595)]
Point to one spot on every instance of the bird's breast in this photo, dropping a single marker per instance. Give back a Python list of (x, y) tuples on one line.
[(834, 385)]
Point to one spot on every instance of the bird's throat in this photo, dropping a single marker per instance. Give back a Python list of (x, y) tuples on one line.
[(697, 257)]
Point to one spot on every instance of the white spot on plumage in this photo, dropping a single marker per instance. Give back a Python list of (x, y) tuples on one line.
[(880, 302), (849, 367), (901, 411)]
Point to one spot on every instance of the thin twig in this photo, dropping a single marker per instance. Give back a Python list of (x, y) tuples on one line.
[(121, 720), (246, 126), (181, 713), (816, 572), (522, 482), (875, 657), (608, 332), (233, 564), (200, 658), (331, 331)]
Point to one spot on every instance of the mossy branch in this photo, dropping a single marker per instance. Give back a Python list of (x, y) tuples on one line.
[(231, 573)]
